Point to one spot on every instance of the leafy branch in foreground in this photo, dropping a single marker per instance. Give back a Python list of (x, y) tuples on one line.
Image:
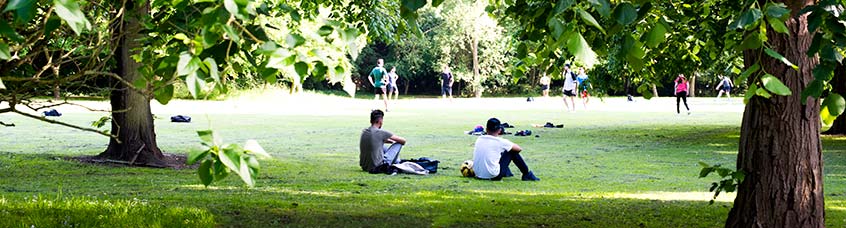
[(730, 178), (219, 159)]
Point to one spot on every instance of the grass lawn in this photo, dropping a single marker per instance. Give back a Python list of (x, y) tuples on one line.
[(604, 169)]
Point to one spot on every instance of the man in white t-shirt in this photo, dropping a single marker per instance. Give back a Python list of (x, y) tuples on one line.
[(569, 89), (492, 155)]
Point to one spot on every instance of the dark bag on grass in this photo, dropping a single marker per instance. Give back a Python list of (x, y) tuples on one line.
[(52, 112), (429, 164), (180, 119)]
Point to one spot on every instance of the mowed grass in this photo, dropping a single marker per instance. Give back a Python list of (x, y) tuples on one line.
[(604, 169)]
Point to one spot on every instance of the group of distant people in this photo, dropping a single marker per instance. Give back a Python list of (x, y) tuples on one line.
[(384, 82), (574, 85), (379, 150)]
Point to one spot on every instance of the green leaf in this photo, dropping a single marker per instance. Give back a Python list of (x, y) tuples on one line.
[(557, 29), (656, 35), (580, 48), (774, 85), (704, 165), (522, 50), (164, 95), (244, 172), (749, 18), (777, 10), (294, 40), (705, 171), (207, 136), (749, 71), (231, 158), (778, 25), (301, 68), (752, 41), (204, 171), (590, 20), (213, 71), (253, 147), (750, 93), (17, 4), (25, 13), (602, 6), (325, 30), (562, 6), (187, 64), (233, 35), (763, 93), (778, 56), (5, 54), (625, 13), (195, 156), (253, 164), (413, 5), (220, 170), (69, 11), (835, 103), (814, 89), (436, 3), (195, 84), (7, 31), (2, 87), (53, 22)]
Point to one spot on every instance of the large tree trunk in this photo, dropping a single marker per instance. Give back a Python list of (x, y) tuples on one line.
[(838, 84), (132, 120), (780, 149)]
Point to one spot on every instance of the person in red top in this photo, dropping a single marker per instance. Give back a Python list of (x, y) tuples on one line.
[(681, 85)]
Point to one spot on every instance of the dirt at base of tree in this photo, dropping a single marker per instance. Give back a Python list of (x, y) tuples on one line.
[(174, 161)]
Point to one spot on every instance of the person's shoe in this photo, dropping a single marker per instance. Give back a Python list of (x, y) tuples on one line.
[(530, 177), (507, 172)]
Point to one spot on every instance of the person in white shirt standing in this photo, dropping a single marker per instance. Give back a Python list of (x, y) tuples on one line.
[(492, 154), (569, 88)]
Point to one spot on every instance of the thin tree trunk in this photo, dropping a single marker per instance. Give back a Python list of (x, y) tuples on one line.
[(56, 91), (692, 86), (654, 91), (477, 87), (838, 84), (407, 85), (780, 149), (132, 120)]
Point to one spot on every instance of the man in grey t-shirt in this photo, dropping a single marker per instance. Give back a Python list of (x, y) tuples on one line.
[(375, 156)]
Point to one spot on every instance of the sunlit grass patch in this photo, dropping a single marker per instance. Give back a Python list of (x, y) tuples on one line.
[(81, 212)]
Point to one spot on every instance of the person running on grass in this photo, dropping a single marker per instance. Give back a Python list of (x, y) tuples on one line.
[(584, 85), (392, 85), (569, 88), (492, 154), (724, 87), (375, 156), (544, 82), (446, 83), (377, 80), (681, 85)]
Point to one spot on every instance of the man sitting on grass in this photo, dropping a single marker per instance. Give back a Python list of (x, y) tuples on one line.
[(492, 155), (376, 157)]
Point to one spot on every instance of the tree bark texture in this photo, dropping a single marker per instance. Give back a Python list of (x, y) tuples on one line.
[(838, 84), (132, 120), (780, 149), (654, 91)]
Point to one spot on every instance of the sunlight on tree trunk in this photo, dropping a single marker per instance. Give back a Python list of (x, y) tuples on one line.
[(654, 90), (780, 148)]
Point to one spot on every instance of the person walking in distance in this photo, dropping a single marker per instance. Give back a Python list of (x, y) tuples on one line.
[(584, 85), (377, 80), (446, 83), (569, 88), (392, 84), (681, 85), (724, 87), (544, 82)]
